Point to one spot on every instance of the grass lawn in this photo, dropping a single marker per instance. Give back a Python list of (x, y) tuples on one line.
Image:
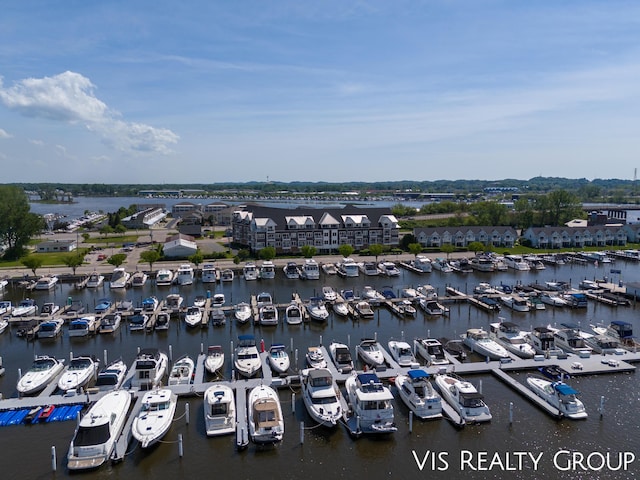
[(112, 239)]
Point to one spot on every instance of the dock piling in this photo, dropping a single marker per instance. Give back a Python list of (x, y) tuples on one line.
[(601, 409), (180, 446), (510, 413), (54, 460), (301, 433), (104, 356), (293, 403), (170, 354), (411, 421), (186, 412)]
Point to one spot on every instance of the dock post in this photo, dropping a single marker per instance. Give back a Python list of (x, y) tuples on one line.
[(480, 387), (201, 348), (510, 413), (601, 409), (186, 412), (349, 340), (296, 358), (70, 356), (19, 373), (301, 433), (54, 459), (411, 421), (78, 419), (402, 335), (320, 340), (104, 356), (170, 354), (428, 333), (293, 403), (291, 344), (375, 336), (180, 446)]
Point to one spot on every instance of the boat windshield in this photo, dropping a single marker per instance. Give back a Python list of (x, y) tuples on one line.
[(471, 400), (155, 406), (42, 364), (324, 400), (94, 435), (219, 409)]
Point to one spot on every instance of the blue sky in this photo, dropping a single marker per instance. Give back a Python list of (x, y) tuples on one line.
[(236, 91)]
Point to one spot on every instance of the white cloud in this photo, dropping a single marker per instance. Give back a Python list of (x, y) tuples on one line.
[(5, 134), (39, 143), (69, 97)]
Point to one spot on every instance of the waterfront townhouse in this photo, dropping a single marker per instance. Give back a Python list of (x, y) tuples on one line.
[(575, 237), (288, 230), (461, 237), (179, 246)]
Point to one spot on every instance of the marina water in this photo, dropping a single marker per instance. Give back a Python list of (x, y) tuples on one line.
[(434, 449)]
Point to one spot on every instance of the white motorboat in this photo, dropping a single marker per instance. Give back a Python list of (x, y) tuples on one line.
[(267, 270), (268, 315), (193, 316), (320, 395), (341, 356), (119, 278), (418, 394), (164, 277), (95, 438), (218, 317), (371, 295), (163, 321), (341, 308), (185, 274), (512, 338), (389, 269), (250, 271), (242, 312), (150, 304), (310, 270), (329, 268), (95, 280), (218, 300), (182, 371), (371, 403), (553, 300), (214, 360), (266, 424), (138, 321), (227, 275), (516, 262), (363, 308), (5, 307), (347, 268), (370, 352), (431, 350), (81, 327), (406, 308), (112, 376), (50, 328), (477, 339), (4, 323), (463, 397), (315, 358), (138, 279), (219, 410), (291, 270), (25, 308), (263, 298), (568, 338), (422, 263), (78, 373), (46, 282), (293, 314), (209, 273), (369, 268), (620, 331), (427, 292), (155, 417), (515, 302), (558, 395), (174, 302), (43, 370), (542, 341), (49, 309), (603, 344), (482, 263), (247, 359), (441, 265), (103, 306), (317, 309), (403, 355), (150, 367), (432, 307), (279, 359)]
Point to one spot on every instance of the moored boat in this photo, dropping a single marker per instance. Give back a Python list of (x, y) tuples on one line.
[(320, 396), (214, 360), (559, 395), (112, 376), (371, 404), (78, 373), (155, 416), (150, 367), (431, 350), (247, 359), (279, 358), (43, 370), (341, 356), (416, 391), (219, 410), (463, 397), (182, 371), (266, 424)]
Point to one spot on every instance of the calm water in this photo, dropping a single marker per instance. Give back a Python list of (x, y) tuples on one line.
[(26, 449)]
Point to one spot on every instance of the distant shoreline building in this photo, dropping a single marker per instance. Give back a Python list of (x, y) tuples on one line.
[(288, 230)]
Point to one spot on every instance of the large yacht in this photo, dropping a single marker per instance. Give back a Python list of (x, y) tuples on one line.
[(185, 274)]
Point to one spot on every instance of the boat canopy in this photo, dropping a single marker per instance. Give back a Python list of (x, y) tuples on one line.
[(417, 374), (564, 389)]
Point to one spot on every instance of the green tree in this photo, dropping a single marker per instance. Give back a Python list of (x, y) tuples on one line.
[(17, 223), (243, 254), (345, 250), (448, 249), (150, 257), (106, 230), (308, 251), (73, 261), (376, 250), (476, 247), (490, 213), (415, 248), (524, 213), (33, 263), (120, 229), (267, 253), (85, 237), (117, 259), (197, 258), (406, 240)]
